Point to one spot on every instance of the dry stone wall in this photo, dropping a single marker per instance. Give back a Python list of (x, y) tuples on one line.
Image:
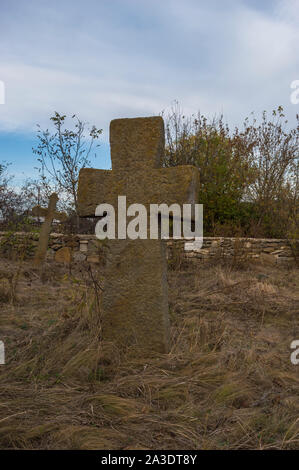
[(273, 251), (79, 248)]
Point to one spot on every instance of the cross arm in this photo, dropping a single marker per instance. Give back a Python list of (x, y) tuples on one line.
[(175, 185), (94, 188), (155, 186), (38, 211)]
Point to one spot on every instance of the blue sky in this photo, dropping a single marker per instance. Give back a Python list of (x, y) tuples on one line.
[(124, 58)]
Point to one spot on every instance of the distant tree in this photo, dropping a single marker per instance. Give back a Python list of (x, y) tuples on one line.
[(36, 193), (274, 148), (248, 176), (3, 188), (61, 154), (222, 158), (10, 200)]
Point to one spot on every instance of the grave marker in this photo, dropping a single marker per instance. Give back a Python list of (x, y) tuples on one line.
[(135, 299), (43, 241)]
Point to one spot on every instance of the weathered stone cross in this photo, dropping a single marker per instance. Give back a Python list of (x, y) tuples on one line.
[(39, 211), (135, 300), (43, 241)]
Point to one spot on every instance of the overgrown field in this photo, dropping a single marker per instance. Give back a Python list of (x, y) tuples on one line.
[(228, 382)]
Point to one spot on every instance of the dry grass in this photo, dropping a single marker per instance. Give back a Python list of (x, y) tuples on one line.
[(227, 383)]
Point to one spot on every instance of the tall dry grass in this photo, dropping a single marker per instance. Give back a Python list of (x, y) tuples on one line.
[(227, 382)]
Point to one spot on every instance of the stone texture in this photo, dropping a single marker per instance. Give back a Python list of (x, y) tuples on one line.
[(222, 246), (63, 255), (165, 185), (56, 246), (93, 247), (136, 173), (38, 211), (135, 300), (93, 259), (84, 246), (42, 247), (267, 259), (79, 257), (72, 244)]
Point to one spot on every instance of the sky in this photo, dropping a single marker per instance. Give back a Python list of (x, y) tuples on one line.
[(106, 59)]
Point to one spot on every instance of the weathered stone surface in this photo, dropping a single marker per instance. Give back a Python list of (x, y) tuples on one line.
[(56, 246), (57, 241), (72, 244), (136, 173), (63, 255), (39, 211), (135, 300), (93, 259), (267, 259), (282, 260), (268, 249), (42, 247), (84, 246), (79, 257), (50, 256), (172, 185), (93, 246)]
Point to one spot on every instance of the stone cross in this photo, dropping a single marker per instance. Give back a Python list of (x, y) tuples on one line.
[(43, 241), (38, 211), (135, 299)]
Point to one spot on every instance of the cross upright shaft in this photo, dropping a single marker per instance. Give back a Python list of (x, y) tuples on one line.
[(136, 144), (135, 301), (42, 247)]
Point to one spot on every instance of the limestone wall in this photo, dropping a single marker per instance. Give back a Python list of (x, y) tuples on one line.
[(88, 248), (276, 251)]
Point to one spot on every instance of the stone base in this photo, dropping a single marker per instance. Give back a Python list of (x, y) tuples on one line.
[(134, 299)]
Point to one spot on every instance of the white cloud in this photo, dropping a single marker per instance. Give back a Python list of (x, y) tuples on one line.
[(114, 59), (268, 46)]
